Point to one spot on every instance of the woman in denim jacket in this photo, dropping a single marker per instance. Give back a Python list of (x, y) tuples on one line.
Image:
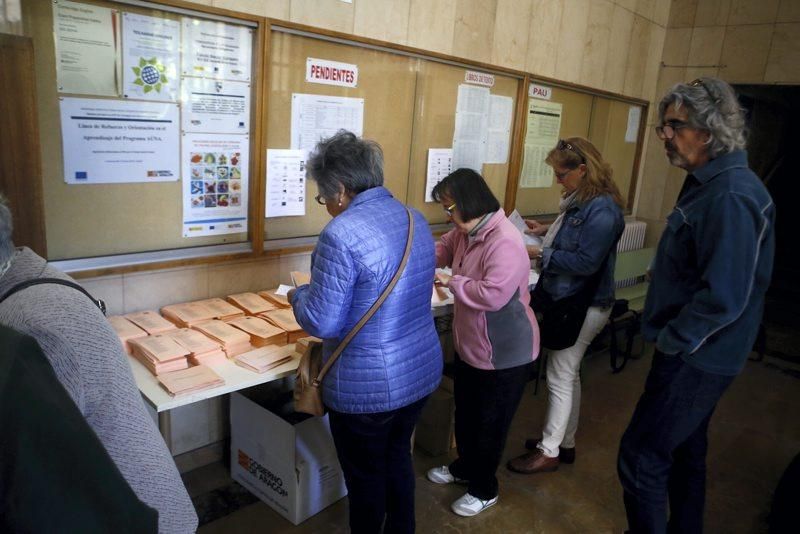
[(578, 247)]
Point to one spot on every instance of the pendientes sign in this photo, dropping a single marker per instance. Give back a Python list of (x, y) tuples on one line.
[(331, 72)]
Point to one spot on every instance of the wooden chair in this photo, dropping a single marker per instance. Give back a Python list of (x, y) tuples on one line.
[(627, 310)]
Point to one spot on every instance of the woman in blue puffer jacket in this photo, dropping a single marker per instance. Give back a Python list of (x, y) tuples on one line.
[(376, 389)]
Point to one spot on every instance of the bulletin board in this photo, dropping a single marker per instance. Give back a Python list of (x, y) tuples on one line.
[(612, 123), (86, 220), (386, 83), (409, 107)]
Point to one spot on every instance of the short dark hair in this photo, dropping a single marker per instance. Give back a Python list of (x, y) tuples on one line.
[(469, 191), (343, 158)]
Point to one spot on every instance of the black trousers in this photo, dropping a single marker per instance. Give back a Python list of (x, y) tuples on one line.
[(486, 402), (663, 451), (374, 451)]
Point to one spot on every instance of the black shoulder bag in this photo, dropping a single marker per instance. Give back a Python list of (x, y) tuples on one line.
[(36, 281), (560, 321)]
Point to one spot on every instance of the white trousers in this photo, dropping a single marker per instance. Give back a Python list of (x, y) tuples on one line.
[(564, 385)]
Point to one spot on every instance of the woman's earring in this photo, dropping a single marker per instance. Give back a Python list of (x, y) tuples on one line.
[(340, 201)]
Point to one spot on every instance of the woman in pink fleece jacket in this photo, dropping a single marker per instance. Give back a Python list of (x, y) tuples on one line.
[(494, 329)]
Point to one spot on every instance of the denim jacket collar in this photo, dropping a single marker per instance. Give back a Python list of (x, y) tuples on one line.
[(732, 160)]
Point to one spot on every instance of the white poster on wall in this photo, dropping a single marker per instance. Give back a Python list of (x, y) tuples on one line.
[(150, 57), (543, 127), (286, 183), (316, 117), (634, 118), (215, 178), (87, 55), (501, 109), (470, 135), (440, 161), (215, 106), (216, 50), (118, 141)]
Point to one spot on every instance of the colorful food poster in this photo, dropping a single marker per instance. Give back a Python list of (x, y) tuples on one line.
[(440, 161), (118, 141), (215, 106), (316, 117), (544, 125), (150, 57), (216, 50), (215, 178), (286, 183), (87, 55)]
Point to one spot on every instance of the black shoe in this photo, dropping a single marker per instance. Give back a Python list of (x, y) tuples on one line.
[(566, 455)]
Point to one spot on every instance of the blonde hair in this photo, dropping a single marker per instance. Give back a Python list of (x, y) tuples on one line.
[(597, 180)]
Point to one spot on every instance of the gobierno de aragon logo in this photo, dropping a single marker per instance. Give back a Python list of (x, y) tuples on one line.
[(273, 481)]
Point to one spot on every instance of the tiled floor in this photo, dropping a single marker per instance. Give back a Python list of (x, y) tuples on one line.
[(753, 436)]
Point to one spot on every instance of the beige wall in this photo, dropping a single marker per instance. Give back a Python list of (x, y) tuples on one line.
[(741, 41)]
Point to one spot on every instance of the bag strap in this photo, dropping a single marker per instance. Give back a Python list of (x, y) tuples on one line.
[(377, 304), (36, 281)]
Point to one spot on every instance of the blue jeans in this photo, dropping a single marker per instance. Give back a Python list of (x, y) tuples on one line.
[(663, 451), (374, 450)]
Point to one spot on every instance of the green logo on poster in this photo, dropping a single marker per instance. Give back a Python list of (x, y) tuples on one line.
[(150, 74)]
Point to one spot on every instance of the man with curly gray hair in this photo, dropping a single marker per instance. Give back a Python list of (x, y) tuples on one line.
[(703, 308)]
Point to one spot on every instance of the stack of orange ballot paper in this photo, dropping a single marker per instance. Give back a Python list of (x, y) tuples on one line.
[(263, 359), (159, 353), (251, 303), (284, 319), (261, 332), (190, 380), (233, 340), (189, 313), (150, 321), (126, 331), (276, 298), (204, 350), (222, 310)]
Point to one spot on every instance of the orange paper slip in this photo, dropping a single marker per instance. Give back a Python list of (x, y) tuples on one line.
[(261, 332), (263, 359), (190, 380), (251, 303), (150, 321), (279, 300), (125, 330), (188, 313)]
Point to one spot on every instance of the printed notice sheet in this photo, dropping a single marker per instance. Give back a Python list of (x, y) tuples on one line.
[(439, 166), (216, 50), (87, 56), (544, 125), (214, 184), (501, 109), (469, 137), (634, 117), (286, 183), (215, 106), (150, 57), (316, 117), (117, 141)]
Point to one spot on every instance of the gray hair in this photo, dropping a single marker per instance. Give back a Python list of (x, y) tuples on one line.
[(6, 229), (344, 159), (711, 105)]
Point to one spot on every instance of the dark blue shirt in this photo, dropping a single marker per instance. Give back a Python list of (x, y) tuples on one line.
[(586, 238), (713, 267)]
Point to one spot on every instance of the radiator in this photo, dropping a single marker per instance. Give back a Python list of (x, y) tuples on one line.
[(632, 239), (632, 236)]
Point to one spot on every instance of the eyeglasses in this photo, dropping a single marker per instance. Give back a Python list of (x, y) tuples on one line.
[(320, 200), (562, 175), (667, 131), (449, 210), (565, 145)]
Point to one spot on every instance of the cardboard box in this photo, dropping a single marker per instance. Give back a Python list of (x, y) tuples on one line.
[(292, 468)]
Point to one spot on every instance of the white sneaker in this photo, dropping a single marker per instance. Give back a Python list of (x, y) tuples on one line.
[(467, 505), (442, 475)]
